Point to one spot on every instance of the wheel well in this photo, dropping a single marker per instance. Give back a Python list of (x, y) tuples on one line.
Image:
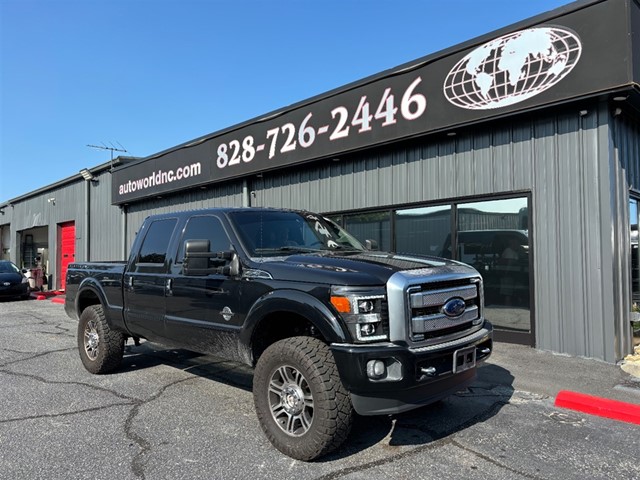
[(87, 299), (278, 326)]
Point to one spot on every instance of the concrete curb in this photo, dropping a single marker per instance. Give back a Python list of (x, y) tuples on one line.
[(602, 407)]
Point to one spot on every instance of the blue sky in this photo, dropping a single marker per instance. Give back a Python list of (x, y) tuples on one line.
[(151, 74)]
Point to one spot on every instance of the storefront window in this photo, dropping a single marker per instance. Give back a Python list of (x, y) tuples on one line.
[(492, 236), (370, 226), (424, 230)]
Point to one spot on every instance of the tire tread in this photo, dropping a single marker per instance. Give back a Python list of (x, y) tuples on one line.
[(332, 422)]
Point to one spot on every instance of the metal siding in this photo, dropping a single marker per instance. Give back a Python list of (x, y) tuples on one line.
[(625, 163), (105, 229), (38, 212), (572, 292)]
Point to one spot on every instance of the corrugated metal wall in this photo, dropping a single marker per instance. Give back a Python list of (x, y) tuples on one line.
[(625, 165), (105, 223), (49, 209), (559, 158)]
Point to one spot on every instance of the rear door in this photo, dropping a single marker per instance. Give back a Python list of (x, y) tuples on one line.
[(145, 281)]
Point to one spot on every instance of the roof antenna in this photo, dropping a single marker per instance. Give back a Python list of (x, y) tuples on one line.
[(112, 149)]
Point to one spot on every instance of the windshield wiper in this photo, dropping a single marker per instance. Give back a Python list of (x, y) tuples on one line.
[(291, 248)]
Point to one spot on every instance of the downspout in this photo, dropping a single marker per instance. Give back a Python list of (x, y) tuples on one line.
[(87, 219), (246, 198), (123, 213)]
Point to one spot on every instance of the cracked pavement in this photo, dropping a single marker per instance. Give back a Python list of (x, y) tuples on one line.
[(173, 414)]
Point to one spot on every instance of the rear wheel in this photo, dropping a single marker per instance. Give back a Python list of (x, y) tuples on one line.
[(302, 406), (101, 348)]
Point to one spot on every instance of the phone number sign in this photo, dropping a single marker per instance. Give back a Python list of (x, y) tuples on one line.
[(379, 112), (345, 123)]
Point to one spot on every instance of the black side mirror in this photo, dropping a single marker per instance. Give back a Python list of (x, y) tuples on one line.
[(199, 260), (371, 244)]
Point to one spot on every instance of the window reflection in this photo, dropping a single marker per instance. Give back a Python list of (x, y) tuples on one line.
[(492, 237), (370, 226), (424, 230)]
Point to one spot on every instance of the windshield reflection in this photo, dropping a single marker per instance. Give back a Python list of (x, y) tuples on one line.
[(273, 233)]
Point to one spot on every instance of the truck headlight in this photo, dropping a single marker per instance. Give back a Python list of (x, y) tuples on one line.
[(362, 309)]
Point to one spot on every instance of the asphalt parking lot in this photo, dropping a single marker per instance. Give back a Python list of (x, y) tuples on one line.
[(173, 414)]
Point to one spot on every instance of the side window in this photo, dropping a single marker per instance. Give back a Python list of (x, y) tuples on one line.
[(153, 251), (204, 228)]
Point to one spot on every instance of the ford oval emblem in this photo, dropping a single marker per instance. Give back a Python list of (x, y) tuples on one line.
[(454, 307)]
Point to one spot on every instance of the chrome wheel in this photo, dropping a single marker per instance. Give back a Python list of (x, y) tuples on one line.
[(91, 340), (291, 401)]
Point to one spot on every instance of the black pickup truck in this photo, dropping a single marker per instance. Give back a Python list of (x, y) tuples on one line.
[(330, 326)]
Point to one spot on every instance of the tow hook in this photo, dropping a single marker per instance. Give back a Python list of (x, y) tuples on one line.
[(428, 371)]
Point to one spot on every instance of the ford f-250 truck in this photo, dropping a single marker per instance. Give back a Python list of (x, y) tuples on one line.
[(330, 326)]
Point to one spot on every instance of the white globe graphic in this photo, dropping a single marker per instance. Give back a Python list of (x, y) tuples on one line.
[(512, 68)]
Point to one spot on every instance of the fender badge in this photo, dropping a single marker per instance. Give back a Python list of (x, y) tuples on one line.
[(227, 313)]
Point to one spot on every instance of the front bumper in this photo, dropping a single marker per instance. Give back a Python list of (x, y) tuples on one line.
[(419, 376), (15, 290)]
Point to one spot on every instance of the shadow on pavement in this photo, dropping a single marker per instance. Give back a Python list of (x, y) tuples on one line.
[(480, 401), (483, 399)]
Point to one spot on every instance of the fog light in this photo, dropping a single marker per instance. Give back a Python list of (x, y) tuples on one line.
[(367, 329), (376, 369)]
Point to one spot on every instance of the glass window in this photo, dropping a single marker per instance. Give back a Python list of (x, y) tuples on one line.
[(156, 242), (492, 236), (204, 228), (370, 226), (424, 230)]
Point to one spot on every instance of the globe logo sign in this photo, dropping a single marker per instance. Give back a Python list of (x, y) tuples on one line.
[(512, 68)]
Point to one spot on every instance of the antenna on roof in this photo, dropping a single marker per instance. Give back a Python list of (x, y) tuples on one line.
[(112, 149)]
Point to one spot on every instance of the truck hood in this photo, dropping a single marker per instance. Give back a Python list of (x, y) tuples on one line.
[(362, 268)]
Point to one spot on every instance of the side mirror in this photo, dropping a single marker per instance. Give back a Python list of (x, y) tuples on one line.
[(371, 244), (198, 260)]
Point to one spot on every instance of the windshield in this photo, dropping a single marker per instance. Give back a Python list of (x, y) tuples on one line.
[(7, 267), (270, 233)]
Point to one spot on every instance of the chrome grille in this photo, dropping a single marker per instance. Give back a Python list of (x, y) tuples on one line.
[(427, 316), (439, 297), (440, 321)]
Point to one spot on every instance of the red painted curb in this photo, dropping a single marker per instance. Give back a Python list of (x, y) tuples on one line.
[(602, 407), (57, 300)]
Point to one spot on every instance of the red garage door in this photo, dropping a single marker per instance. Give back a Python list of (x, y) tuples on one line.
[(67, 249)]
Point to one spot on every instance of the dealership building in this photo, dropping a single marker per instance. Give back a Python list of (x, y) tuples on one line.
[(517, 152)]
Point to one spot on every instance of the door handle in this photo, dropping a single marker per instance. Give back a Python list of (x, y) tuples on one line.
[(169, 286), (130, 282)]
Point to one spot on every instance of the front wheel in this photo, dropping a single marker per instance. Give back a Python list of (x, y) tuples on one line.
[(302, 406), (101, 348)]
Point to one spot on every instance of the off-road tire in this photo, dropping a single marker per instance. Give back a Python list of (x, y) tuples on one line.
[(101, 348), (311, 368)]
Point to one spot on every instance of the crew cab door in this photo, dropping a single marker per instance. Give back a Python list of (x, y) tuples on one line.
[(203, 311), (145, 280)]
